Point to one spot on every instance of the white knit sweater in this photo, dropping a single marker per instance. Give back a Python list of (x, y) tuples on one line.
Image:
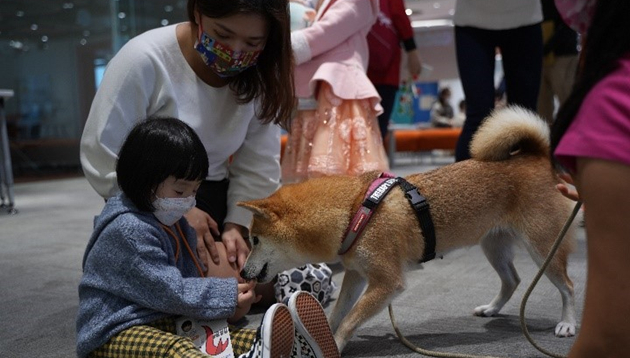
[(149, 76)]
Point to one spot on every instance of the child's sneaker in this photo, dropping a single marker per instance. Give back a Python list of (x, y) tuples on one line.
[(274, 338), (313, 336)]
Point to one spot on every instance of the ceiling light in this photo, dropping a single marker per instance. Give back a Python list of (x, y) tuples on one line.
[(408, 12), (67, 5), (19, 13), (34, 27), (164, 22)]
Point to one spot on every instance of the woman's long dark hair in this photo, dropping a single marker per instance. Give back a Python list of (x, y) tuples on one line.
[(607, 40), (271, 81)]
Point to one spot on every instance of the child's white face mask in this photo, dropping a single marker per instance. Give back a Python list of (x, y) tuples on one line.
[(170, 210)]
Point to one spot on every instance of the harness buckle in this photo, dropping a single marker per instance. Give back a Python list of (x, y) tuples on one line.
[(414, 196)]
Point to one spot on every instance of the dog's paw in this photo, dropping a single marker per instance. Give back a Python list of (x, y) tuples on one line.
[(565, 329), (486, 311)]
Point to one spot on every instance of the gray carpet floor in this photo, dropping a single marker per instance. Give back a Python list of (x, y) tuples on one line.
[(42, 246)]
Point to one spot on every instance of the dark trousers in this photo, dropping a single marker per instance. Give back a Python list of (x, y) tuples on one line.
[(212, 198), (521, 51), (388, 96)]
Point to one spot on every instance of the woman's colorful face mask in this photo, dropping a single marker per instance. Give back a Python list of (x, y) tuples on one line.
[(221, 58)]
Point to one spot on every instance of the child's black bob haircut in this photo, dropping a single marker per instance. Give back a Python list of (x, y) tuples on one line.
[(156, 148)]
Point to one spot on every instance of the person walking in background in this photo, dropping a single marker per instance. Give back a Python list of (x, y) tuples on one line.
[(227, 72), (442, 113), (335, 130), (391, 30), (591, 139), (560, 51), (482, 26)]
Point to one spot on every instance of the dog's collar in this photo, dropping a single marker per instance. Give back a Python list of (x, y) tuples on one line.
[(379, 188)]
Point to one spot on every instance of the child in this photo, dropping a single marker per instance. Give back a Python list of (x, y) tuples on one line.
[(336, 129), (141, 273), (591, 139)]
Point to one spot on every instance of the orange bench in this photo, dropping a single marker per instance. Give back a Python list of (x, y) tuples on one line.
[(412, 140), (283, 143), (420, 140)]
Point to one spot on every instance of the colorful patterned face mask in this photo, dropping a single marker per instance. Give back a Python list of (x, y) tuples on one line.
[(577, 14), (224, 61)]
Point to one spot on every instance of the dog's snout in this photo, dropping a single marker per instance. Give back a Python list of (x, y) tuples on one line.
[(246, 274)]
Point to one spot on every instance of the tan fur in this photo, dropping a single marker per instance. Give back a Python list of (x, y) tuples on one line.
[(496, 200)]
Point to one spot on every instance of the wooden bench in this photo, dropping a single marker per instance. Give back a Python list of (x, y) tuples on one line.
[(412, 140)]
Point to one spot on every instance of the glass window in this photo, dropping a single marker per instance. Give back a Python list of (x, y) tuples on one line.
[(53, 55)]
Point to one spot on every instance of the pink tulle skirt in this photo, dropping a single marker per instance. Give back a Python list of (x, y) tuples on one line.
[(339, 137)]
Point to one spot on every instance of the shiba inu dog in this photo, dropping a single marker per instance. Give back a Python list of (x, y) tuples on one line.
[(505, 195)]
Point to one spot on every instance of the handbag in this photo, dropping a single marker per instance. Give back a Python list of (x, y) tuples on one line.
[(403, 112)]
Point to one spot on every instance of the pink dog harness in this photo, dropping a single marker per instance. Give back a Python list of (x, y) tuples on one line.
[(379, 188)]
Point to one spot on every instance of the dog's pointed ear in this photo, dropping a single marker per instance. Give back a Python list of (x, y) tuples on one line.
[(258, 207)]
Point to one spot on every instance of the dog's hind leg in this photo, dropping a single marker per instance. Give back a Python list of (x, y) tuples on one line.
[(497, 245), (377, 295), (351, 288), (557, 274)]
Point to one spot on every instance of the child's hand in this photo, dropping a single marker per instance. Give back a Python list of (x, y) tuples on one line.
[(206, 229), (246, 298), (566, 190)]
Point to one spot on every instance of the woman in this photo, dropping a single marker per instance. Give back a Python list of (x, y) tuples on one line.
[(226, 72)]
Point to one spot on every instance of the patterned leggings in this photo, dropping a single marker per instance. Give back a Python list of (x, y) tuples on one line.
[(159, 340)]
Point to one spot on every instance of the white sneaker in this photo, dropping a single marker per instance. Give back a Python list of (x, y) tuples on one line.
[(313, 336), (275, 336)]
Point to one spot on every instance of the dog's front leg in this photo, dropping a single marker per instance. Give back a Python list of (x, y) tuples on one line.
[(351, 288), (376, 297)]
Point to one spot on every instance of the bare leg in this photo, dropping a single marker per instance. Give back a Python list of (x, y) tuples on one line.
[(226, 269)]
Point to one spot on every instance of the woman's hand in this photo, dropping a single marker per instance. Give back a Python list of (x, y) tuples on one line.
[(206, 229), (566, 190), (414, 65), (246, 298), (237, 249)]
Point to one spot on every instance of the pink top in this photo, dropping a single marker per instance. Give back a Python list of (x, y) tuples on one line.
[(601, 128), (334, 49)]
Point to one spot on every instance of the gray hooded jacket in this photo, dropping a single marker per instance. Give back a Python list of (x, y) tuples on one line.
[(130, 277)]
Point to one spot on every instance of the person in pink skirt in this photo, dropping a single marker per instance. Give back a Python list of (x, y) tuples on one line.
[(335, 130)]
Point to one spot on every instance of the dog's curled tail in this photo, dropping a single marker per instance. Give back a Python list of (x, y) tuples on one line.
[(510, 131)]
